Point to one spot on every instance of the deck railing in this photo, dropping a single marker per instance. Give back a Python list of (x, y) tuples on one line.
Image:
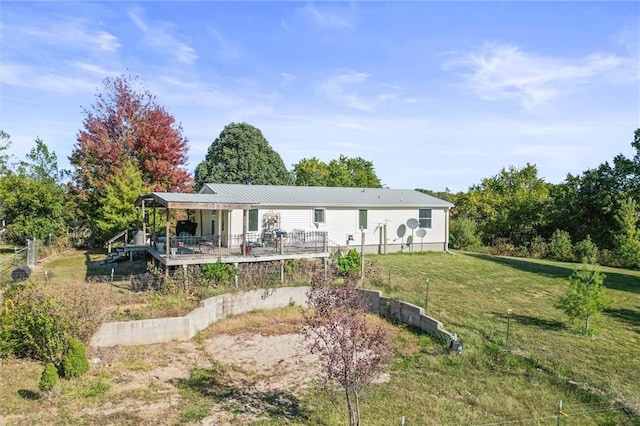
[(251, 244)]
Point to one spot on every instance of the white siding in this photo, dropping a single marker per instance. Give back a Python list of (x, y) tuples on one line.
[(342, 222)]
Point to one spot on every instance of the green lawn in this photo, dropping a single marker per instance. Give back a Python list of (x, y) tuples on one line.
[(544, 361), (491, 382)]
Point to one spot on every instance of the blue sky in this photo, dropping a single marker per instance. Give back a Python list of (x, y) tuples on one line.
[(435, 94)]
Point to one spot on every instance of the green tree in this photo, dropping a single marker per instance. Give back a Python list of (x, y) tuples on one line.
[(510, 205), (628, 239), (241, 154), (34, 201), (117, 211), (349, 172), (586, 251), (311, 172), (464, 234), (560, 247), (5, 143), (585, 297)]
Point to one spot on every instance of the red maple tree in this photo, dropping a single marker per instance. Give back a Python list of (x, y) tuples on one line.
[(126, 124)]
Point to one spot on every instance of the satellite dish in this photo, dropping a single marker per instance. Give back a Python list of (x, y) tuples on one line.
[(413, 223), (410, 240), (402, 230), (421, 233)]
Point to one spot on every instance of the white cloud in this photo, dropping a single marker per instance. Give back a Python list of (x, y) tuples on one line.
[(39, 78), (503, 71), (69, 33), (330, 16), (356, 90), (158, 35)]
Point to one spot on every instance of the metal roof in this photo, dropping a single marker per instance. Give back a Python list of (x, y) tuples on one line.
[(187, 200), (319, 196)]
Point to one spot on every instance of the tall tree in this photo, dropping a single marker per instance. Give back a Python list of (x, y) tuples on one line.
[(346, 171), (127, 125), (628, 238), (43, 164), (117, 211), (311, 172), (241, 154), (34, 202), (509, 205), (5, 143)]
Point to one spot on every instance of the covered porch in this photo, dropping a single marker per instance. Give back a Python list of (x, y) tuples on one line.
[(205, 236)]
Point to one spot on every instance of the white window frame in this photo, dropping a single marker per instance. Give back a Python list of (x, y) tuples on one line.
[(315, 215), (426, 221), (257, 221), (366, 218)]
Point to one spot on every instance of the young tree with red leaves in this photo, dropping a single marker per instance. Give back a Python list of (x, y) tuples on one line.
[(353, 350), (127, 126)]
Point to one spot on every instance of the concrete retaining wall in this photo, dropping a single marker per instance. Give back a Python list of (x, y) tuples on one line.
[(143, 332), (160, 330), (405, 313)]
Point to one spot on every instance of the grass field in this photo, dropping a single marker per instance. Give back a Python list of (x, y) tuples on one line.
[(492, 382)]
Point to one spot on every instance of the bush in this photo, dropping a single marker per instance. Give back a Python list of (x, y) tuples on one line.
[(29, 328), (35, 320), (503, 247), (348, 264), (586, 251), (464, 234), (560, 247), (538, 248), (49, 378), (220, 273), (75, 362)]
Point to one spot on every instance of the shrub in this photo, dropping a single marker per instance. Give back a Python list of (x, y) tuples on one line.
[(220, 273), (464, 234), (348, 264), (538, 248), (49, 378), (29, 327), (560, 247), (503, 247), (586, 251), (75, 362), (35, 320)]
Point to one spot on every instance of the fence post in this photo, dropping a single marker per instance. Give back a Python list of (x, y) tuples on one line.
[(31, 252)]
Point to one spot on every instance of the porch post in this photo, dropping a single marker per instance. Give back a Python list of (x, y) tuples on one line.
[(244, 232), (167, 244), (144, 225), (219, 226)]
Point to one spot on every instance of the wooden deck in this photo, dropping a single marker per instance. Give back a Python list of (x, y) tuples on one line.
[(187, 256)]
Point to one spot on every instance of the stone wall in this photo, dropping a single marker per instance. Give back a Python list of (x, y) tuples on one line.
[(160, 330)]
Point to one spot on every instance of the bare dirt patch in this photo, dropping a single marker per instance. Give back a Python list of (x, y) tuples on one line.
[(263, 375)]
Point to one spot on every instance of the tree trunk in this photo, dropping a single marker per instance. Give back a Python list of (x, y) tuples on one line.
[(352, 421), (586, 325), (357, 406)]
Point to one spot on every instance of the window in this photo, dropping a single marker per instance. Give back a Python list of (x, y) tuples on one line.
[(424, 217), (318, 216), (253, 220), (362, 219)]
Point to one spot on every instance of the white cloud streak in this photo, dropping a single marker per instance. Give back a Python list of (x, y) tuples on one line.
[(503, 71), (329, 18), (355, 90), (158, 36)]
